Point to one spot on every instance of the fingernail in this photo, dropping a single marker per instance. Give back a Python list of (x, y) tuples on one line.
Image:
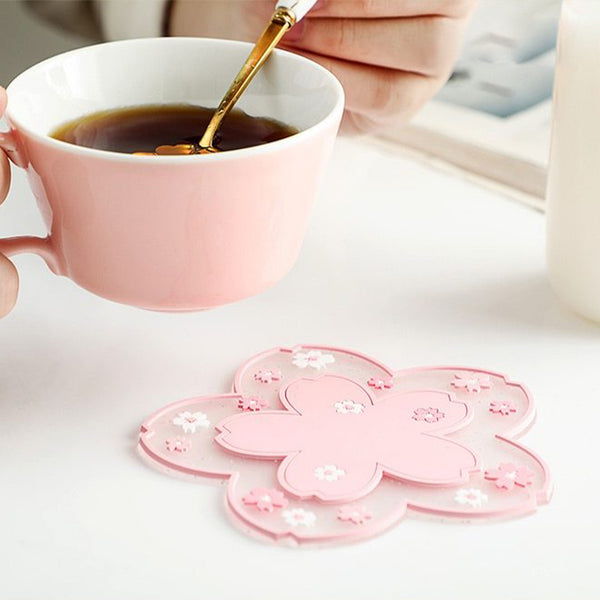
[(296, 33)]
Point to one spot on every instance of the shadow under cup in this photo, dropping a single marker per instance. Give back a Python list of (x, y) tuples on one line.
[(171, 233)]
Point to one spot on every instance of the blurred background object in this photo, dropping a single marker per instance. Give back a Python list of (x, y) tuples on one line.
[(26, 39), (491, 120), (507, 65)]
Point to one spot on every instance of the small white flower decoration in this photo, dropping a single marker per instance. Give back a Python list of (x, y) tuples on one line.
[(349, 406), (268, 375), (472, 382), (190, 421), (299, 517), (313, 358), (471, 496), (329, 473)]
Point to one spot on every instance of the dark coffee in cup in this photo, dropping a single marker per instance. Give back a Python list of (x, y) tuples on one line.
[(143, 128)]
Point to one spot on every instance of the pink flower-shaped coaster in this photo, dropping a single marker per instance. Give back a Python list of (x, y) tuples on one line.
[(324, 444)]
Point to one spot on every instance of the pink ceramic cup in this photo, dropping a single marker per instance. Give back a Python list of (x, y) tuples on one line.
[(170, 233)]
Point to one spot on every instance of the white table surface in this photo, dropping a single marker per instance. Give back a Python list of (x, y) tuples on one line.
[(402, 262)]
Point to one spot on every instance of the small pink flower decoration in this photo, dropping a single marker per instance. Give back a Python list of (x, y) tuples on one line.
[(252, 403), (474, 382), (429, 415), (507, 475), (503, 407), (266, 500), (178, 444), (355, 514), (267, 375), (380, 384)]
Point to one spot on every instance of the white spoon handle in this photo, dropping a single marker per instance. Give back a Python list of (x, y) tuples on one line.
[(298, 7)]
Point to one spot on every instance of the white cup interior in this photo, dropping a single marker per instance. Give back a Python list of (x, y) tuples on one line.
[(197, 71)]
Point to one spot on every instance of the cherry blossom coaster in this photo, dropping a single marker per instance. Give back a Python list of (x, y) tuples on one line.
[(324, 444)]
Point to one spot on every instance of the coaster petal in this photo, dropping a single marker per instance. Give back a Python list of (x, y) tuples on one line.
[(202, 456), (354, 365)]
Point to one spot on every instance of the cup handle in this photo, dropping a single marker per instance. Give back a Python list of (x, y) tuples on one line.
[(18, 245), (34, 245)]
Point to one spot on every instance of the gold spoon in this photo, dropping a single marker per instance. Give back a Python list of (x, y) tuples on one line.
[(287, 14)]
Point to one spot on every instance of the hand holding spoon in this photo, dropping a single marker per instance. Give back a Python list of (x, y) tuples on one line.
[(287, 14)]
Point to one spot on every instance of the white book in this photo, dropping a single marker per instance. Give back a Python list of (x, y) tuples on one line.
[(509, 152)]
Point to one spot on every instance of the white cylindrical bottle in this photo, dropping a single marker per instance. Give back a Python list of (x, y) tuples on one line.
[(573, 199)]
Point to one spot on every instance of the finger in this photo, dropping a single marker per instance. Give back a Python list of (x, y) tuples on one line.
[(427, 45), (4, 166), (9, 285), (365, 9), (4, 176), (230, 19), (378, 94)]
